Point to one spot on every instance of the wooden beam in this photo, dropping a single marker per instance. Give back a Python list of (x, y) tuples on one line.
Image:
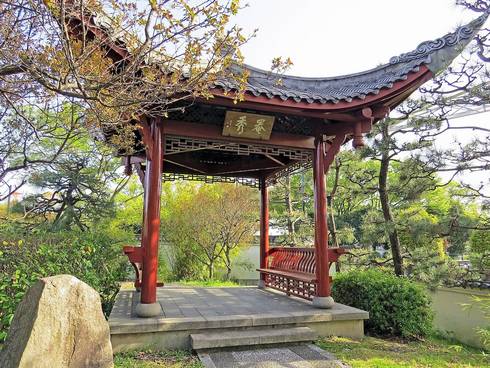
[(348, 128), (218, 100), (264, 229), (170, 168), (321, 229), (214, 132), (184, 165), (151, 218), (272, 158), (244, 165)]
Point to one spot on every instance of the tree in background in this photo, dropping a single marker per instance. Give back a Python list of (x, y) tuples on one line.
[(291, 207), (238, 208), (480, 254), (206, 224), (30, 138), (75, 178)]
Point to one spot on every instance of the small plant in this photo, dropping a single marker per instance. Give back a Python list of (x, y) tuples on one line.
[(396, 306)]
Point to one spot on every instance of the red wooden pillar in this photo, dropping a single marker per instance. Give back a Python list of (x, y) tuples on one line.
[(148, 306), (264, 228), (322, 298)]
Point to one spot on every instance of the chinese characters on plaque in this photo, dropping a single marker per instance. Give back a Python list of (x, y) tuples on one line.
[(244, 125)]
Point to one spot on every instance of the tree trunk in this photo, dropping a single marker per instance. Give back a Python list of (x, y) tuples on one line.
[(228, 263), (210, 270), (385, 205), (289, 209)]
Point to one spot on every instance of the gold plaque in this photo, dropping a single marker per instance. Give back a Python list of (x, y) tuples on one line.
[(244, 125)]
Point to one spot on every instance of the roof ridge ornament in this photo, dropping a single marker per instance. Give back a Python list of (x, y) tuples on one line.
[(456, 40)]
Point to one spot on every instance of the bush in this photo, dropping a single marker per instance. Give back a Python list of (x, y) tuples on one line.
[(28, 255), (396, 306)]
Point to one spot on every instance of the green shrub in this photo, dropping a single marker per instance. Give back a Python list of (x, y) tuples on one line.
[(396, 306), (28, 255)]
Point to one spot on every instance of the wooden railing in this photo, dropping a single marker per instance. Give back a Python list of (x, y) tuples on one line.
[(292, 270), (299, 259)]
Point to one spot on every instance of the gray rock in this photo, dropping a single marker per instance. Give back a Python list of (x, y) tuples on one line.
[(58, 324)]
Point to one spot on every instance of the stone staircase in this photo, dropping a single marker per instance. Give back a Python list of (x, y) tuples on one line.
[(251, 337)]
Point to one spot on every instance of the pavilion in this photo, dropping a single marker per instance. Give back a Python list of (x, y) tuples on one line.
[(277, 129)]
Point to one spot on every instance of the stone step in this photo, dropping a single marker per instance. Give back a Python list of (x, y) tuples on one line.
[(251, 337)]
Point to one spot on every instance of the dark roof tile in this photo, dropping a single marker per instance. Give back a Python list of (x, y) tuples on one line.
[(436, 55)]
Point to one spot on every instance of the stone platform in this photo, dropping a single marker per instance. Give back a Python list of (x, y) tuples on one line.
[(189, 311)]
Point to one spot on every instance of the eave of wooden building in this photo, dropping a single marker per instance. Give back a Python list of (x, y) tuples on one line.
[(303, 108)]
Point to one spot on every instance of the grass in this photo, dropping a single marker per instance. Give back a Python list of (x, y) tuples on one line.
[(433, 352), (127, 285), (369, 352), (206, 283), (149, 359)]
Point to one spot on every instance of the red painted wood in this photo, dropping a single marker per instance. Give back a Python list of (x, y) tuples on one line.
[(264, 224), (153, 186), (333, 150), (293, 270), (358, 141), (321, 230), (135, 256), (182, 128)]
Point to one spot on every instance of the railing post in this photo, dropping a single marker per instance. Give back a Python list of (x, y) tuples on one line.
[(148, 306), (264, 229), (322, 298)]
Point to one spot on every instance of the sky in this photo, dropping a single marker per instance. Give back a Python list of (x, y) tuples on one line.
[(330, 38)]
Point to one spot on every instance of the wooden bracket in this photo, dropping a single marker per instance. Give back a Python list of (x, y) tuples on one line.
[(135, 256), (333, 150), (146, 135), (357, 141), (141, 173), (128, 167)]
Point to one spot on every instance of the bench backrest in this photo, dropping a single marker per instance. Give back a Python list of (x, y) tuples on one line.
[(292, 259)]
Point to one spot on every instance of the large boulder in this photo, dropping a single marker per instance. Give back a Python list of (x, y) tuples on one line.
[(59, 323)]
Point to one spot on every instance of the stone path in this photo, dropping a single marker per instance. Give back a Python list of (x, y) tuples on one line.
[(295, 356)]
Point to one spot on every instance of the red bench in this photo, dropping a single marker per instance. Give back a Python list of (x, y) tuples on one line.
[(135, 255), (292, 270)]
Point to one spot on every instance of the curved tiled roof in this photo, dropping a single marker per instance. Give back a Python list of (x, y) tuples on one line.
[(436, 55)]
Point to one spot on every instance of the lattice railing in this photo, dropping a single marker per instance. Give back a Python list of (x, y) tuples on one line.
[(301, 289), (251, 182), (298, 266)]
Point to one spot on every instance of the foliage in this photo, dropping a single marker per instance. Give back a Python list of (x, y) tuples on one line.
[(291, 207), (205, 224), (480, 251), (396, 306), (30, 139), (143, 60), (208, 283), (28, 254), (432, 352), (78, 188), (152, 359)]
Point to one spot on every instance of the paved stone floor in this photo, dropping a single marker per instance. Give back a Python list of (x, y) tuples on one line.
[(295, 356), (182, 302)]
